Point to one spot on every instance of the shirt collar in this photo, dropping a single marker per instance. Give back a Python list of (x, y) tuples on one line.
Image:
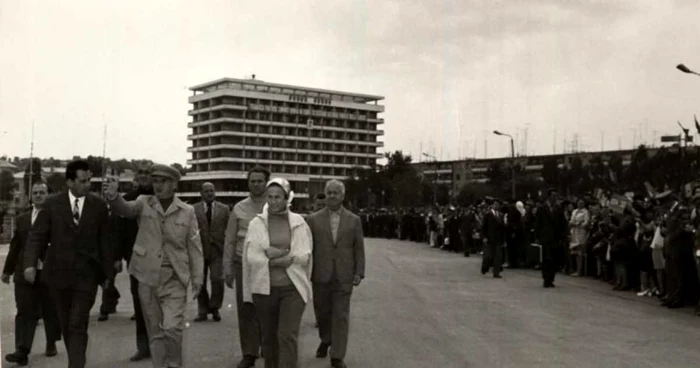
[(73, 198), (337, 212)]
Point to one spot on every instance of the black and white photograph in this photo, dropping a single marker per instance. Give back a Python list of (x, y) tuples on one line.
[(363, 184)]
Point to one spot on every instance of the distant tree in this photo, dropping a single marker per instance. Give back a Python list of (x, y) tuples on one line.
[(7, 185), (32, 172), (56, 182), (496, 174), (550, 172), (179, 168)]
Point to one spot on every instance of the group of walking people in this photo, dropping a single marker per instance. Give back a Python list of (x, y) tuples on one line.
[(277, 261)]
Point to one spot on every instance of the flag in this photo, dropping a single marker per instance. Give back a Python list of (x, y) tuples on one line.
[(697, 125)]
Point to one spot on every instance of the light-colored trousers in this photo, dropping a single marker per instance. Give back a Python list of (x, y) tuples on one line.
[(164, 314)]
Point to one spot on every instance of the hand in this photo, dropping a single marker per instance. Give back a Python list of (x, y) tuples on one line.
[(195, 289), (110, 187), (229, 281), (30, 274), (5, 278), (357, 280), (117, 266), (273, 252)]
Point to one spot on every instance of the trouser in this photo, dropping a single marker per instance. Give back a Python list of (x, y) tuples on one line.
[(433, 238), (551, 261), (142, 344), (164, 314), (73, 307), (332, 302), (248, 324), (280, 317), (110, 299), (492, 258), (206, 303), (34, 301)]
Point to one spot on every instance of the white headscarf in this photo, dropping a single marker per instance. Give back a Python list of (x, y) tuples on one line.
[(520, 207), (286, 187)]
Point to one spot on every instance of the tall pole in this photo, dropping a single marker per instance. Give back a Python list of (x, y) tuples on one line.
[(104, 158), (31, 165), (512, 168)]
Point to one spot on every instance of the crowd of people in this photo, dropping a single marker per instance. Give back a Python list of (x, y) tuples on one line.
[(69, 244), (649, 243)]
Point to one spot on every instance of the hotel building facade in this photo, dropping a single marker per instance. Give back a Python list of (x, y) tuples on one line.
[(306, 135)]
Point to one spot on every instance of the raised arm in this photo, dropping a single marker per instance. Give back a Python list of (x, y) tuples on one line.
[(128, 209)]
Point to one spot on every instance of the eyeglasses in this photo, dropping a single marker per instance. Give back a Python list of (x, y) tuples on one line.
[(39, 192)]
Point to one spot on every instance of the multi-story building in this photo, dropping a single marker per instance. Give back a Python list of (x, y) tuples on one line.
[(306, 135)]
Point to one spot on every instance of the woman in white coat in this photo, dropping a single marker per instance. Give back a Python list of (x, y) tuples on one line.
[(277, 274)]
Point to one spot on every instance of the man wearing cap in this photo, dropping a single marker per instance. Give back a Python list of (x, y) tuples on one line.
[(494, 238), (212, 217), (241, 215), (166, 257), (551, 228), (339, 265)]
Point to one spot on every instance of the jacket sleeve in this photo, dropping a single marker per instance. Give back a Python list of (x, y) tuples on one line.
[(302, 252), (359, 249), (194, 250), (130, 209), (108, 243), (13, 253), (230, 243), (253, 256), (39, 235)]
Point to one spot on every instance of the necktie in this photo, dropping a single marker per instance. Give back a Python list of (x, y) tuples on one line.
[(209, 213), (76, 212)]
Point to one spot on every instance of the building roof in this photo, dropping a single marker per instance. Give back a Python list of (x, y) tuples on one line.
[(256, 82), (5, 165)]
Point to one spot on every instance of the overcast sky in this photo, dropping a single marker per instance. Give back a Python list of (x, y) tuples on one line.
[(451, 71)]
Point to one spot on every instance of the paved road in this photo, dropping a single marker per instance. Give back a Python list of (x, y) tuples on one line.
[(420, 307)]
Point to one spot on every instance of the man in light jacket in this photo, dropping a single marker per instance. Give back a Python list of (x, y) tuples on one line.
[(339, 265), (167, 256)]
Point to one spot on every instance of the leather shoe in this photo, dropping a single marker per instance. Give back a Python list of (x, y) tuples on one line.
[(247, 362), (140, 355), (51, 350), (103, 317), (201, 318), (338, 363), (322, 350), (216, 316), (497, 276), (19, 358)]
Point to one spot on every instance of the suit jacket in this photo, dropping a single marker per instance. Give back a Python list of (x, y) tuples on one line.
[(494, 229), (80, 256), (212, 236), (173, 233), (550, 226), (14, 263), (346, 256)]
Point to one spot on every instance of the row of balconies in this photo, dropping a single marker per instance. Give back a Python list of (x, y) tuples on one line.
[(284, 156), (291, 169), (284, 108), (283, 131), (317, 121), (277, 140), (259, 144)]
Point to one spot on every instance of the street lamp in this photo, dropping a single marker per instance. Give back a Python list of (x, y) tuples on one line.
[(512, 164), (685, 69), (436, 174)]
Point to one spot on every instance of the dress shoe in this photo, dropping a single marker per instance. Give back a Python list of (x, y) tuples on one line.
[(216, 316), (338, 363), (201, 318), (51, 350), (247, 362), (103, 317), (497, 276), (19, 358), (140, 355), (322, 350)]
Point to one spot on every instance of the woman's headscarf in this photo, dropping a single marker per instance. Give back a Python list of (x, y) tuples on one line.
[(286, 187), (520, 207)]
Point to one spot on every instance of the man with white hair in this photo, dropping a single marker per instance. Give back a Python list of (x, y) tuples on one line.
[(339, 265)]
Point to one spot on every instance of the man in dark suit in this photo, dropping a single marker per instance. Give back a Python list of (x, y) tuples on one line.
[(33, 300), (212, 217), (551, 227), (339, 265), (493, 232), (79, 258)]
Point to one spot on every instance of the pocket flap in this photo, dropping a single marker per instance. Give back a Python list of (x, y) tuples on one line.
[(139, 250)]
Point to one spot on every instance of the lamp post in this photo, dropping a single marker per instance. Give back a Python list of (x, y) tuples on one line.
[(686, 70), (512, 163), (436, 174)]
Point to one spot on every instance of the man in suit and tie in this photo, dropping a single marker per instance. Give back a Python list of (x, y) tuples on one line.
[(551, 228), (166, 258), (212, 217), (493, 232), (32, 300), (79, 258), (339, 265)]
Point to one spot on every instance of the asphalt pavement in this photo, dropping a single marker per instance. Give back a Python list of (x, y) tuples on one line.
[(422, 307)]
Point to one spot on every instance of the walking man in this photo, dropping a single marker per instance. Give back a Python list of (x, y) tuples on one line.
[(167, 256), (494, 239), (212, 217), (339, 265), (79, 258), (551, 227), (241, 215), (33, 301)]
